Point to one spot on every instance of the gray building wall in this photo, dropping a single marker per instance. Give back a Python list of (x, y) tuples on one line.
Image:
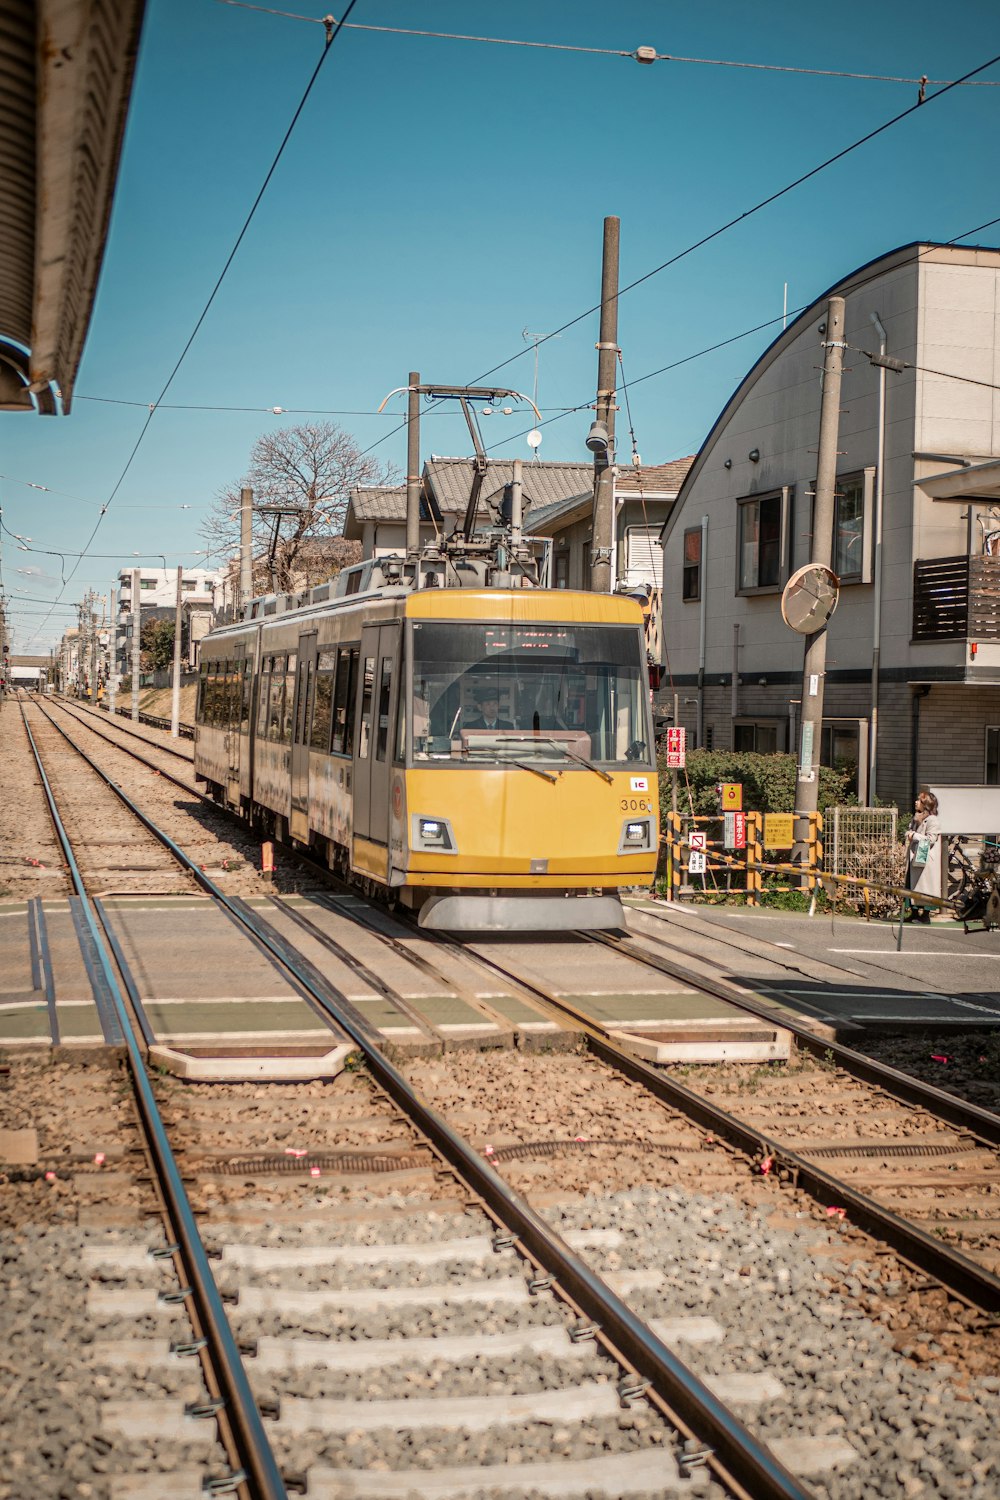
[(940, 307)]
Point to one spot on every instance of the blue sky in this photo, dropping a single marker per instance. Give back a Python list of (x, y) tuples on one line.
[(437, 198)]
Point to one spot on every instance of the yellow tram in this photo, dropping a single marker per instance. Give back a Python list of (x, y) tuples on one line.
[(483, 755)]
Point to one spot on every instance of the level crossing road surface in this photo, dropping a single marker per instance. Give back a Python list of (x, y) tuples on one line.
[(204, 987), (840, 970)]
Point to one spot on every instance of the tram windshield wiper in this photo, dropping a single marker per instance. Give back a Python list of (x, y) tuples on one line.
[(545, 775), (582, 759)]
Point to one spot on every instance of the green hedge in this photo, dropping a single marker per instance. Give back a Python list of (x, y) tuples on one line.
[(768, 782)]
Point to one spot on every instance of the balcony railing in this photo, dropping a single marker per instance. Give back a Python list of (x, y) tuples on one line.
[(956, 599)]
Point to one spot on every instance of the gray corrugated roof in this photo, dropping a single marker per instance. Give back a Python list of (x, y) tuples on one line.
[(378, 502), (655, 479), (549, 489), (450, 480)]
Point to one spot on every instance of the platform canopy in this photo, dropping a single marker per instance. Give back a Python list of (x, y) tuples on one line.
[(66, 70)]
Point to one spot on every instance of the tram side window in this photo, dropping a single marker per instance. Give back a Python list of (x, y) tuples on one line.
[(267, 665), (384, 699), (288, 699), (226, 683), (344, 696), (303, 711), (367, 697), (212, 694), (275, 697), (246, 685), (326, 667), (199, 713)]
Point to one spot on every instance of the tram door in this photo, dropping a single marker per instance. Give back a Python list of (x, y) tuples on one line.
[(373, 749), (305, 688), (239, 714)]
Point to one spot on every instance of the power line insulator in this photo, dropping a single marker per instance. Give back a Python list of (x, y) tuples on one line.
[(645, 54)]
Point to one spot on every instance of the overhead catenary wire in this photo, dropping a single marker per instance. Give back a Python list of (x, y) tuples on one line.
[(757, 207), (643, 55), (850, 285), (332, 30)]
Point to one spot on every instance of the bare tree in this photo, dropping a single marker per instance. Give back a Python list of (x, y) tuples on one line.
[(308, 472)]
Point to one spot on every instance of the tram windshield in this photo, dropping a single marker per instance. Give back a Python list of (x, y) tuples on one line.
[(528, 693)]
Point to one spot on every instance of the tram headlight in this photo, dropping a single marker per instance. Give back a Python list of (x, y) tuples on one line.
[(433, 834), (637, 834)]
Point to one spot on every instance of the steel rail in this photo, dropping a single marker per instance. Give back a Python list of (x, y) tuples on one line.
[(984, 1123), (749, 1463), (263, 1478), (970, 1282), (92, 713)]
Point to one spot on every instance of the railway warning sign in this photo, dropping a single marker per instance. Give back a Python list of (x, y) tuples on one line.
[(735, 830), (779, 830), (696, 862), (676, 749)]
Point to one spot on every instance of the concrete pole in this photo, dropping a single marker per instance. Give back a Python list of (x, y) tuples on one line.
[(113, 654), (607, 358), (93, 648), (136, 631), (516, 506), (246, 547), (175, 701), (814, 666), (413, 474)]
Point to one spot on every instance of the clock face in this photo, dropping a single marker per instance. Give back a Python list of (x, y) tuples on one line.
[(810, 598)]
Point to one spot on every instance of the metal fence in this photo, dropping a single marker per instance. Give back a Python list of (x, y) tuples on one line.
[(862, 843)]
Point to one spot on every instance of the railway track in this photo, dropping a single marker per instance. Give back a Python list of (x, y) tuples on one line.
[(650, 1372), (936, 1150)]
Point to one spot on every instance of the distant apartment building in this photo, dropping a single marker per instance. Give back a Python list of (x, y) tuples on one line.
[(158, 600)]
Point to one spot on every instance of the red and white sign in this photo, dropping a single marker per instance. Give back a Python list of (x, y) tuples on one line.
[(736, 830), (676, 749), (697, 840)]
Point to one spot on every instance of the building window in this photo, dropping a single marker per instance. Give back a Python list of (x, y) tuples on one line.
[(643, 557), (758, 739), (992, 777), (849, 527), (147, 583), (691, 581), (188, 585), (853, 506), (763, 541), (560, 578)]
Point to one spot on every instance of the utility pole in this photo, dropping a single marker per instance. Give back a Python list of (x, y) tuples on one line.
[(601, 440), (175, 701), (92, 615), (136, 644), (413, 475), (113, 654), (246, 546), (814, 665)]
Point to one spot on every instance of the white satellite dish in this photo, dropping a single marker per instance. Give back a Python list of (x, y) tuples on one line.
[(809, 598), (534, 438)]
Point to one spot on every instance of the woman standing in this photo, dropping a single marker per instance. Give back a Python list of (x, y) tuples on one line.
[(923, 846)]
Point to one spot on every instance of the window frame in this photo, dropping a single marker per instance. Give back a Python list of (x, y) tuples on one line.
[(771, 725), (783, 494), (866, 477), (688, 567), (991, 729)]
